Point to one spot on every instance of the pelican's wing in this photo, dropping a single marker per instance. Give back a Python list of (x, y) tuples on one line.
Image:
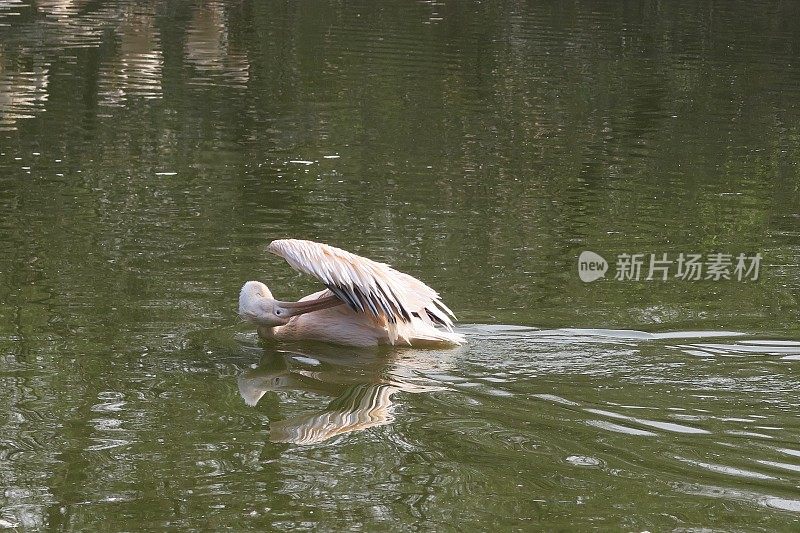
[(367, 286)]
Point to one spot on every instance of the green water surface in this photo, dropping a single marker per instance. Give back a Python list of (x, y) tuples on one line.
[(150, 150)]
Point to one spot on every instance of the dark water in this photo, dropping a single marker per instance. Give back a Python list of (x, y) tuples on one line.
[(149, 151)]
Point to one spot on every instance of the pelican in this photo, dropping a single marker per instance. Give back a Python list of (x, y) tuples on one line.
[(366, 303)]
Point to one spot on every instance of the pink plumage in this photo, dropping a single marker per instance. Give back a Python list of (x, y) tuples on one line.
[(381, 305)]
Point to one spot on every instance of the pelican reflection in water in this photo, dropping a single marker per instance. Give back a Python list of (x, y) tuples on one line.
[(362, 389)]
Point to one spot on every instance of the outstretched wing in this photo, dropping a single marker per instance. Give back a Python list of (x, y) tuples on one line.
[(367, 286)]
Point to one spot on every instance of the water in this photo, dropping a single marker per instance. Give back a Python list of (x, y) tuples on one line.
[(149, 151)]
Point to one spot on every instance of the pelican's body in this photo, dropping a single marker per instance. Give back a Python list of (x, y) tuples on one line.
[(366, 303), (342, 325)]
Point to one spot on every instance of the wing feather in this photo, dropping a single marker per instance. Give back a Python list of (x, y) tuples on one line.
[(366, 286)]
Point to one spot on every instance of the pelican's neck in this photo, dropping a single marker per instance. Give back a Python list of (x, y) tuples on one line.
[(267, 332)]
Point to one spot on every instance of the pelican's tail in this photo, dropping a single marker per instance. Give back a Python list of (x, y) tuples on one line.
[(423, 333)]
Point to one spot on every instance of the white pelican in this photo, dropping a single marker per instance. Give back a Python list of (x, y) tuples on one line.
[(365, 304)]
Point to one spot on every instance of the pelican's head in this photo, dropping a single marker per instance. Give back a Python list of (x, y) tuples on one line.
[(257, 306)]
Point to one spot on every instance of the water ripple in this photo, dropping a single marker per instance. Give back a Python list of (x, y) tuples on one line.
[(610, 426), (773, 502), (666, 426)]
